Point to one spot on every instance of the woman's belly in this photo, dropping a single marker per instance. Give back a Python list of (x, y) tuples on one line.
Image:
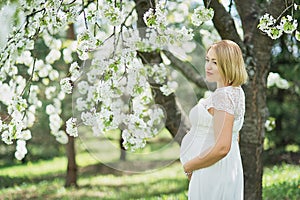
[(193, 144)]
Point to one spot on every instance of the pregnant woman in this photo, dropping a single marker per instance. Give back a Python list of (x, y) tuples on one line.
[(210, 151)]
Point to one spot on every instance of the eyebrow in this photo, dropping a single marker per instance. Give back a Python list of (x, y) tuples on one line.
[(212, 58)]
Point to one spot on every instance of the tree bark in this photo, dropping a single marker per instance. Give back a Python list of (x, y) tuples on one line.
[(176, 121), (122, 149), (187, 70), (71, 177)]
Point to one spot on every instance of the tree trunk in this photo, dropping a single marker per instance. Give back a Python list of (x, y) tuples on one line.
[(122, 149), (71, 178), (176, 121)]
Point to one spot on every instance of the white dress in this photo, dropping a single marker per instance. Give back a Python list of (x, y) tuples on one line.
[(224, 179)]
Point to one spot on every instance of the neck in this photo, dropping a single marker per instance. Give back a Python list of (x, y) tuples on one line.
[(221, 84)]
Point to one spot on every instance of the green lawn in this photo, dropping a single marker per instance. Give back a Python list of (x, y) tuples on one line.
[(45, 179)]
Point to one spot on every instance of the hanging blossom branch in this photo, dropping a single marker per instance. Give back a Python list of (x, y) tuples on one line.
[(103, 85), (122, 75), (20, 107), (274, 28)]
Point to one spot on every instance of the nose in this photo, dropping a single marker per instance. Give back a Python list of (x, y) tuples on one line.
[(207, 65)]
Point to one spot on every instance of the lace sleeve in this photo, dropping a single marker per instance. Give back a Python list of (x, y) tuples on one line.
[(222, 100)]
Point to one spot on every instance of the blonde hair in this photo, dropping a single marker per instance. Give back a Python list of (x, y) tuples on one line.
[(230, 62)]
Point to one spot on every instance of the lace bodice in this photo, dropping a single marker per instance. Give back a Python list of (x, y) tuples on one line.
[(229, 99)]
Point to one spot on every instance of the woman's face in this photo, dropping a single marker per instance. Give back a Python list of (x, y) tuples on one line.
[(211, 68)]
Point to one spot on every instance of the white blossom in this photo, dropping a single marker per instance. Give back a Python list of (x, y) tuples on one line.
[(67, 55), (1, 125), (24, 135), (51, 109), (66, 85), (53, 75), (6, 93), (270, 124), (169, 88), (297, 35), (53, 56), (55, 122), (6, 137), (150, 18), (268, 25), (88, 118), (81, 104), (50, 91), (265, 22), (83, 87), (288, 24), (25, 58), (274, 79), (112, 14), (44, 70), (61, 137), (21, 150), (74, 71), (18, 103), (71, 127), (202, 14), (274, 32)]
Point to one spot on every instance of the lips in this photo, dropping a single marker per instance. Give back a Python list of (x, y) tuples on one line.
[(208, 73)]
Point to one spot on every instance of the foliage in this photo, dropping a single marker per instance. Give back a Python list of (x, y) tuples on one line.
[(274, 28), (283, 102), (281, 182)]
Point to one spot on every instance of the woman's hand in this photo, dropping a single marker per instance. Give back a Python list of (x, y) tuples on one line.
[(187, 173), (189, 176)]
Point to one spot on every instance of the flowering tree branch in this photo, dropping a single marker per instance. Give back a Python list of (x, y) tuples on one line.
[(224, 21), (187, 69)]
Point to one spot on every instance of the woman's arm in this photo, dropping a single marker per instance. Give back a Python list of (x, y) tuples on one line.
[(223, 124)]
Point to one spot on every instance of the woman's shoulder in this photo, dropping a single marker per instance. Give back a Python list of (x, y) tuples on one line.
[(229, 90), (232, 93)]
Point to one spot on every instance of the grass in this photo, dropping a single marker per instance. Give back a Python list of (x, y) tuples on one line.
[(20, 182), (161, 181), (41, 180), (281, 182)]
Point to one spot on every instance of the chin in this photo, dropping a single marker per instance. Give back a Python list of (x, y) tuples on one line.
[(209, 80)]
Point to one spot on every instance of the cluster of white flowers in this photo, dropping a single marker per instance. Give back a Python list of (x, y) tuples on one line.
[(115, 92), (55, 121), (66, 85), (72, 127), (161, 33), (156, 18), (274, 79), (18, 94), (275, 28), (169, 88), (112, 14), (120, 86), (270, 124), (201, 15)]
